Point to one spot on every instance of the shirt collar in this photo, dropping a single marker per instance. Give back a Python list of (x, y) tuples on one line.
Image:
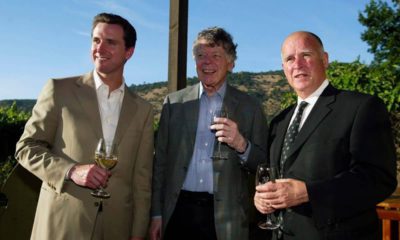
[(98, 82), (221, 91), (312, 99)]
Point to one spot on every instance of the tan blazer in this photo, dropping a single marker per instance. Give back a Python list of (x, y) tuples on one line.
[(63, 130)]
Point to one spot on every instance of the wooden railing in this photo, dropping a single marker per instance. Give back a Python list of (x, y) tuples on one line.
[(389, 212)]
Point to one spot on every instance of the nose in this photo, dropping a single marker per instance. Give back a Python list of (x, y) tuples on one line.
[(298, 62), (100, 46), (206, 59)]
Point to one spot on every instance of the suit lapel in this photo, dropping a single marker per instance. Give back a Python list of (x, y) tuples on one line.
[(128, 111), (230, 102), (280, 136), (191, 110), (317, 114), (86, 95)]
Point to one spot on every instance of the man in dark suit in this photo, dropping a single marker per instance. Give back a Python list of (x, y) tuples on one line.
[(60, 139), (337, 158), (195, 195)]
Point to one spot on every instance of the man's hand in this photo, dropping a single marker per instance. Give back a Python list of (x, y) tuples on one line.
[(284, 193), (155, 229), (262, 198), (89, 175), (227, 131)]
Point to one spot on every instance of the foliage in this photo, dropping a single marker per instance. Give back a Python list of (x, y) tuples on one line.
[(382, 76), (12, 122), (5, 169), (382, 35), (359, 77), (24, 105), (383, 30), (288, 99), (12, 114)]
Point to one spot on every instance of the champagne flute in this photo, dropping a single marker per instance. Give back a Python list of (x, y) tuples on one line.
[(265, 174), (105, 156), (219, 113)]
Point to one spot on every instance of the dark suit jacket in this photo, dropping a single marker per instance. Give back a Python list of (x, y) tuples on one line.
[(345, 154), (63, 130), (174, 149)]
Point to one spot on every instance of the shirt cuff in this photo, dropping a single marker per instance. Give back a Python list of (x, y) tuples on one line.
[(67, 178), (243, 156)]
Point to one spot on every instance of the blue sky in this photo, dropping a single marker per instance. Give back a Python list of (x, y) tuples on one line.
[(45, 39)]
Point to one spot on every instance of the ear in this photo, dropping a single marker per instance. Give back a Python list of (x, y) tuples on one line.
[(129, 52), (231, 66), (326, 60)]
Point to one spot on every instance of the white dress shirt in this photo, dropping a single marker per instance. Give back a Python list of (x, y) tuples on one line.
[(311, 100), (109, 106)]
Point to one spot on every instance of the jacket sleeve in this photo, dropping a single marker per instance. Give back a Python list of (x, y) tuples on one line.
[(371, 175), (160, 160), (33, 148), (258, 139), (142, 177)]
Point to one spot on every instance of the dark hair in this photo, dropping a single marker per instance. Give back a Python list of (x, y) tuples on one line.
[(109, 18), (217, 36)]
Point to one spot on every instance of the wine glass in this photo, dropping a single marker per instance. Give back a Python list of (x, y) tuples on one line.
[(265, 174), (219, 113), (105, 156)]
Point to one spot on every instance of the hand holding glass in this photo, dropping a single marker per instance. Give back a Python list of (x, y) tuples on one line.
[(220, 113), (105, 156), (265, 174)]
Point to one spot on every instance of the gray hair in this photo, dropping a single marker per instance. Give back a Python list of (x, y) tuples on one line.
[(216, 36)]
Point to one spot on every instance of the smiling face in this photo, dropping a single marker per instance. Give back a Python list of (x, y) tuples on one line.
[(212, 65), (304, 63), (109, 53)]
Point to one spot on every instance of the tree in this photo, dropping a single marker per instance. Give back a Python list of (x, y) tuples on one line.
[(382, 21), (382, 35), (383, 31)]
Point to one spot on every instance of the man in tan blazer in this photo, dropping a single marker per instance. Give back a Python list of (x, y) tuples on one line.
[(60, 138)]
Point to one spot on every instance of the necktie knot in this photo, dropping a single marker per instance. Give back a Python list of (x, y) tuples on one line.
[(302, 106)]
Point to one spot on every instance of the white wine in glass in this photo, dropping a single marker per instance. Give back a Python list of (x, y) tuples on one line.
[(264, 174), (105, 156)]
